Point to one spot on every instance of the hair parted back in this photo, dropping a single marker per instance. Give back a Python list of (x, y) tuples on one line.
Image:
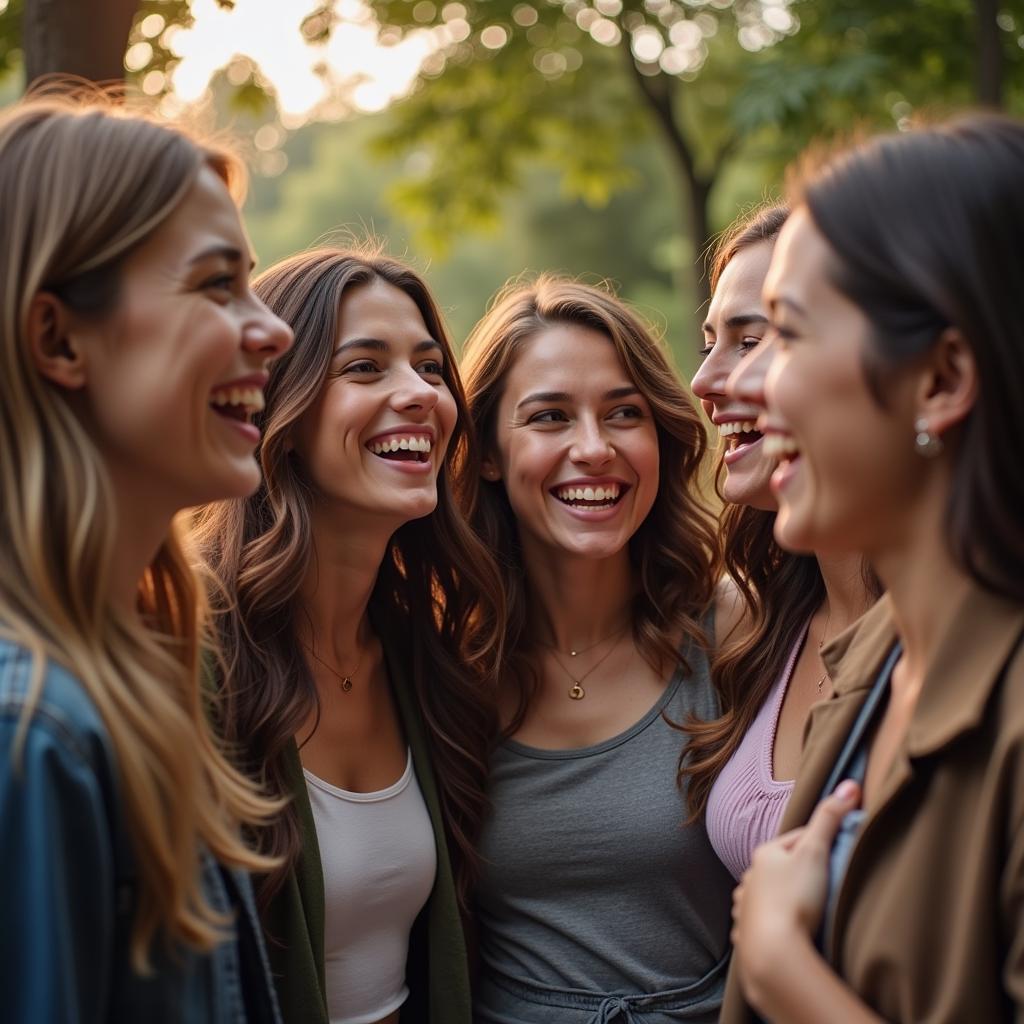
[(438, 593), (673, 550), (82, 183), (925, 230)]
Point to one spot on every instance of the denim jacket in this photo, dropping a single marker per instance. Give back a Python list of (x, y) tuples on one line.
[(68, 883)]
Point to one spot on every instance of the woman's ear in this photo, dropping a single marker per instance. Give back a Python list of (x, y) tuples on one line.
[(950, 385), (56, 351)]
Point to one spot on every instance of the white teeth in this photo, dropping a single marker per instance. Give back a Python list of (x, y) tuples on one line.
[(608, 493), (413, 443), (737, 427), (251, 398), (776, 445)]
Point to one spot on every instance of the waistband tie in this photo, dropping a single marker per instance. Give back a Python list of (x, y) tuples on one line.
[(698, 1000), (614, 1008)]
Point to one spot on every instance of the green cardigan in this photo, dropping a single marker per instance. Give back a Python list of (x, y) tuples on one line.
[(437, 972)]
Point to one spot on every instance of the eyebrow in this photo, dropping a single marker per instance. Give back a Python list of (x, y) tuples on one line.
[(783, 301), (564, 396), (740, 320), (227, 252), (377, 345)]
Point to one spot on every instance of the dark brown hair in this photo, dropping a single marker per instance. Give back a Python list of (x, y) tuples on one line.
[(758, 224), (672, 550), (925, 230), (779, 590), (438, 593)]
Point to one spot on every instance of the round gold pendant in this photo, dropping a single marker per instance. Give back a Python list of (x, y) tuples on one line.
[(346, 684), (577, 692)]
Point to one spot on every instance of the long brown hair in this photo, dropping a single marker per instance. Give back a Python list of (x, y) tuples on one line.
[(437, 590), (672, 551), (779, 590), (82, 184)]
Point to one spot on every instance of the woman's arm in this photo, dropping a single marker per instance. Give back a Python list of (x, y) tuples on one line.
[(777, 908), (56, 930)]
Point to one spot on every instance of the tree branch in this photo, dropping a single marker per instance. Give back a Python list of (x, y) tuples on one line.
[(659, 99)]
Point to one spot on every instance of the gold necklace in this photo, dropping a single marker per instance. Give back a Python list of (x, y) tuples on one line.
[(583, 650), (576, 691), (821, 643), (346, 679)]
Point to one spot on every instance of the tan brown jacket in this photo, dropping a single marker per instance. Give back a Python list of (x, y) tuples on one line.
[(929, 922)]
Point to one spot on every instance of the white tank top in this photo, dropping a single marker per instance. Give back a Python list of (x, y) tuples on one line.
[(379, 861)]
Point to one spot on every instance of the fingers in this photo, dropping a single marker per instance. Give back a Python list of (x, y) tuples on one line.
[(829, 814), (789, 839)]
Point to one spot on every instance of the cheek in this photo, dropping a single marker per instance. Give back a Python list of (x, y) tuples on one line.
[(528, 463), (447, 414), (646, 456)]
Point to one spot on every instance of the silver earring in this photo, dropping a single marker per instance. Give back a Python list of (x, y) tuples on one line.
[(928, 445)]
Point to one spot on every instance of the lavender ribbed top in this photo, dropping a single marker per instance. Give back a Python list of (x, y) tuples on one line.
[(746, 802)]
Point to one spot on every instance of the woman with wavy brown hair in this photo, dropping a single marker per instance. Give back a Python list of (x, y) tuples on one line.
[(777, 609), (358, 616), (594, 901), (133, 352)]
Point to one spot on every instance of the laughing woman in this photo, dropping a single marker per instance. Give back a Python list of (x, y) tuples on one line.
[(356, 606), (785, 606), (126, 311), (595, 902), (894, 301)]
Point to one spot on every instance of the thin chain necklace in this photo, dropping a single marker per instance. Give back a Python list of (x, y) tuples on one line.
[(597, 643), (821, 643), (345, 679), (576, 691)]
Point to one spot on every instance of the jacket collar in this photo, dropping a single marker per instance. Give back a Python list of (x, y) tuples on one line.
[(960, 676)]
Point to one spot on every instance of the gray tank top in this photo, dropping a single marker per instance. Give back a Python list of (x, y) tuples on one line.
[(592, 886)]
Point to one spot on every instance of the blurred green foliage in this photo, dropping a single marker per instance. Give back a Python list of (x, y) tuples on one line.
[(332, 193), (529, 145)]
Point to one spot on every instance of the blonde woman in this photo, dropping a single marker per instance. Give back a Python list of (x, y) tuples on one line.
[(133, 355)]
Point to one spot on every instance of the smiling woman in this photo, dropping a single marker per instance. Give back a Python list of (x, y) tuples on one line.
[(122, 323), (894, 299), (778, 607), (359, 615), (593, 898)]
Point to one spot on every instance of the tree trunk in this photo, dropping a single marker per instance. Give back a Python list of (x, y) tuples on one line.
[(657, 94), (988, 53), (85, 38), (700, 228)]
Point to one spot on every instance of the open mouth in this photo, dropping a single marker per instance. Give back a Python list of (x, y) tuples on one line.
[(739, 434), (781, 447), (414, 448), (239, 404), (597, 498)]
